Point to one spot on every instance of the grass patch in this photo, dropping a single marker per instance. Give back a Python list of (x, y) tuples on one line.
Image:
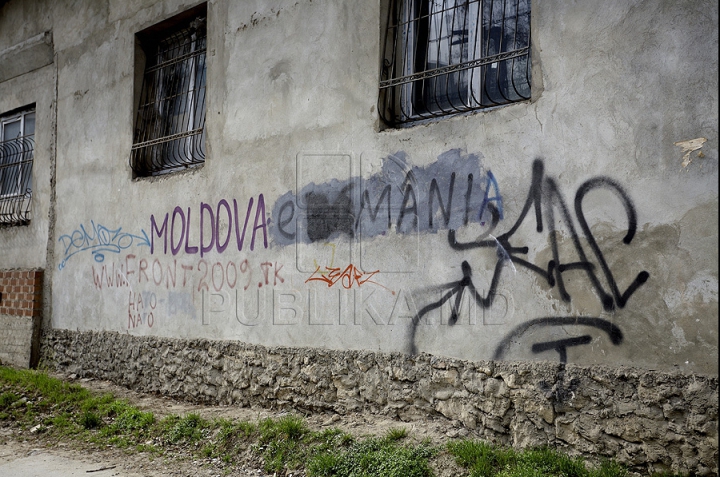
[(90, 420), (57, 410), (281, 443), (381, 457), (485, 460), (397, 434), (8, 398), (187, 429), (52, 390)]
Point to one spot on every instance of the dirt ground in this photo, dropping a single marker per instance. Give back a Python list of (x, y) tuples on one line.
[(115, 462)]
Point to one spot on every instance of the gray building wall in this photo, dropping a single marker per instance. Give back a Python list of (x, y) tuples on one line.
[(618, 90), (273, 245)]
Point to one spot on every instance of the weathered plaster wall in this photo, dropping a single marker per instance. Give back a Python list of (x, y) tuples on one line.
[(432, 262), (27, 76), (585, 235), (652, 421), (239, 249), (26, 246)]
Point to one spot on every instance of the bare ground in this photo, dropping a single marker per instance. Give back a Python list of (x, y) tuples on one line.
[(117, 462)]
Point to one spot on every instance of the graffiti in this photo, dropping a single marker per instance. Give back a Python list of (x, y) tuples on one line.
[(546, 200), (177, 227), (134, 270), (457, 290), (141, 307), (99, 240), (218, 275), (613, 332), (111, 276), (402, 198), (348, 277), (199, 275), (394, 198), (545, 197)]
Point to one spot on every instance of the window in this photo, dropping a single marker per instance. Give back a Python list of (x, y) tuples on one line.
[(17, 143), (444, 57), (170, 126)]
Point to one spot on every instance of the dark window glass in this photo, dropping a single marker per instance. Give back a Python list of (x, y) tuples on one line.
[(17, 145), (445, 57), (170, 125)]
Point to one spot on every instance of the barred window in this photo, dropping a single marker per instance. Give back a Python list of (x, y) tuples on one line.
[(17, 143), (444, 57), (170, 126)]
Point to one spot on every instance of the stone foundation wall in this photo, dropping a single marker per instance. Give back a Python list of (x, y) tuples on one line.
[(651, 421)]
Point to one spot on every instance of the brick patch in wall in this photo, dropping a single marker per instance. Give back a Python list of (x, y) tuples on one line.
[(20, 316)]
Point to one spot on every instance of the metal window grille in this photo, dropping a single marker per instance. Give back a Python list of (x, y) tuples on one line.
[(17, 145), (443, 57), (170, 126)]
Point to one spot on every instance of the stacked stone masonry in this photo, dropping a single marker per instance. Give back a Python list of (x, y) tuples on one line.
[(651, 421)]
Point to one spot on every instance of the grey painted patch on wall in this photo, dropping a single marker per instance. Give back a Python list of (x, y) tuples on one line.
[(447, 194)]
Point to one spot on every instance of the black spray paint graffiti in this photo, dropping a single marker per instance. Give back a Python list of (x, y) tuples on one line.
[(450, 193), (613, 332), (545, 199)]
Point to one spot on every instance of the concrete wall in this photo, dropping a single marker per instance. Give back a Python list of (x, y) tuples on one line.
[(278, 247), (27, 77)]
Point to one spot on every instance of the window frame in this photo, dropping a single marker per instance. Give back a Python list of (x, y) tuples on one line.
[(16, 165), (169, 130), (473, 77)]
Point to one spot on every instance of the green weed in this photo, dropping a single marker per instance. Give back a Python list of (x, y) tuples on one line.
[(374, 457), (486, 460), (228, 436), (397, 434), (133, 419), (279, 442), (289, 427), (63, 422), (186, 429), (7, 398), (54, 390), (90, 420)]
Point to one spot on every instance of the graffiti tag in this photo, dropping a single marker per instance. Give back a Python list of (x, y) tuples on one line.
[(99, 240), (348, 277), (546, 200)]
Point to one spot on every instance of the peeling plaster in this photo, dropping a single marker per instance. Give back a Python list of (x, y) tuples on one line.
[(690, 146)]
